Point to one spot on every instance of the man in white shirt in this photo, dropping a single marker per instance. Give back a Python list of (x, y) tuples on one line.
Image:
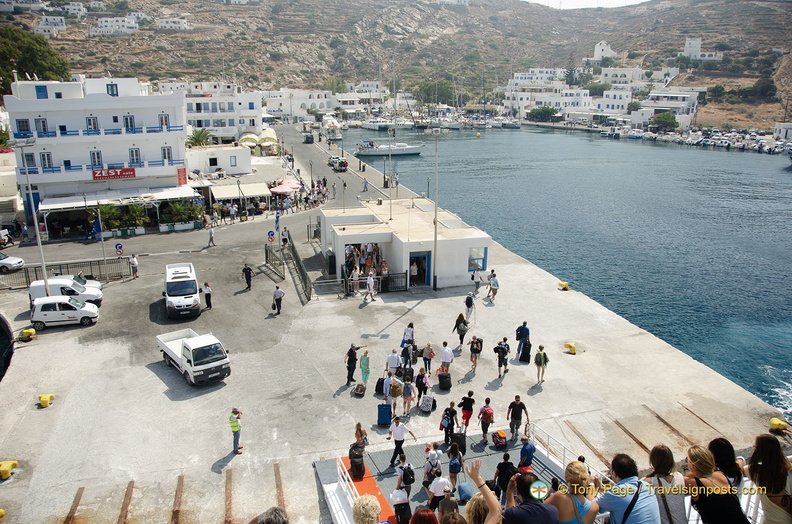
[(494, 286), (369, 286), (477, 278), (393, 361), (277, 298), (446, 357), (398, 431), (437, 488)]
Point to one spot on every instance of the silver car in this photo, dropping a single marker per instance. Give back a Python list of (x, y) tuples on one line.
[(8, 263)]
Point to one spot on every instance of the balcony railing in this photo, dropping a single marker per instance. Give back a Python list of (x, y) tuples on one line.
[(92, 132), (54, 169), (156, 163), (175, 128), (29, 170), (23, 134), (94, 166), (176, 162), (137, 164), (115, 165), (133, 130), (77, 167), (155, 129), (65, 132), (115, 131), (46, 134)]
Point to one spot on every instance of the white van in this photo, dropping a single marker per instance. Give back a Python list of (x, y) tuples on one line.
[(54, 311), (182, 294), (65, 286)]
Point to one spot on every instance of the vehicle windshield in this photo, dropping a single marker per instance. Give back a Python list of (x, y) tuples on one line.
[(3, 256), (79, 288), (181, 289), (76, 303), (208, 354), (80, 279)]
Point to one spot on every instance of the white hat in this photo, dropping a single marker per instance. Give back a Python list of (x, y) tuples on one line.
[(433, 455)]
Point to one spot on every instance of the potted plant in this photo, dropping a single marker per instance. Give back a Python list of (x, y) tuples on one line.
[(135, 220), (110, 219), (178, 217)]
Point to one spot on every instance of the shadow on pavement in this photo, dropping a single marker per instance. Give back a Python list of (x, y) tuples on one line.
[(220, 464), (178, 389)]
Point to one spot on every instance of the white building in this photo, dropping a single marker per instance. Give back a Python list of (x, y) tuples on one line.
[(782, 131), (567, 101), (230, 159), (293, 104), (139, 15), (75, 9), (96, 5), (50, 26), (405, 234), (677, 102), (613, 101), (372, 92), (116, 26), (94, 136), (223, 108), (453, 2), (693, 51), (173, 24), (7, 6), (601, 50)]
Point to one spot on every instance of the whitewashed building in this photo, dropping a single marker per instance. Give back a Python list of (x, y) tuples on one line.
[(677, 102), (567, 101), (139, 15), (782, 131), (231, 160), (75, 9), (173, 24), (115, 26), (7, 6), (293, 104), (50, 26), (96, 136), (404, 232), (223, 108), (96, 5), (613, 101), (693, 51), (601, 50)]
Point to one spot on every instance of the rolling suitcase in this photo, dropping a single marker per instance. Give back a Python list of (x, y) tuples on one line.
[(461, 441), (360, 390), (409, 373), (464, 492), (357, 470), (525, 354), (383, 415), (499, 439), (444, 381), (379, 389), (403, 513), (427, 403)]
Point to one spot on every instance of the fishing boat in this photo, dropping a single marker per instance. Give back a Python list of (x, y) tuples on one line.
[(330, 128), (369, 148)]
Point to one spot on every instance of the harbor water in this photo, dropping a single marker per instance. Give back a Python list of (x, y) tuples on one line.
[(692, 245)]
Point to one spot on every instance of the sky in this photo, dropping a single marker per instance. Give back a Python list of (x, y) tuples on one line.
[(578, 4)]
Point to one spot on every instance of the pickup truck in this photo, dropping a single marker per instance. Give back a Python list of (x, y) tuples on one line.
[(200, 358), (339, 165)]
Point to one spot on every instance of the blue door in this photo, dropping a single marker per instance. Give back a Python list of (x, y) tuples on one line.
[(423, 267)]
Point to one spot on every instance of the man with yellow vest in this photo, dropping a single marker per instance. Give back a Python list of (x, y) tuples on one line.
[(236, 428)]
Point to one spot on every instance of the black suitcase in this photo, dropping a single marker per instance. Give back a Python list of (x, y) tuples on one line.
[(525, 355), (461, 441), (379, 389), (403, 513), (408, 373), (444, 381), (357, 470), (360, 390), (399, 372)]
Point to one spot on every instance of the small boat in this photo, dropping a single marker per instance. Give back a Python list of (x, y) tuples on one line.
[(354, 123), (369, 148), (377, 124), (636, 134), (511, 124), (330, 128)]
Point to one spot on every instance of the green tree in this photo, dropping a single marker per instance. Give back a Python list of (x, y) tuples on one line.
[(334, 84), (429, 90), (28, 54), (633, 106), (542, 114), (665, 121), (597, 88), (200, 137), (765, 88), (716, 91), (607, 61)]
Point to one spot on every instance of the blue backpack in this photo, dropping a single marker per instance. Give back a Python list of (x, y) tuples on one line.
[(455, 465)]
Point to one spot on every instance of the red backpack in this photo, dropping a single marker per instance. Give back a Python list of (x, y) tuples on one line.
[(487, 414)]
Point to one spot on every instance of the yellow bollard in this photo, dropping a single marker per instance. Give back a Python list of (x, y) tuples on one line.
[(777, 424), (564, 286), (2, 513), (45, 400), (572, 347), (27, 333), (6, 467)]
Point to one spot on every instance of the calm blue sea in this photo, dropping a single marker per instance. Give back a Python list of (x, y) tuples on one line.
[(692, 245)]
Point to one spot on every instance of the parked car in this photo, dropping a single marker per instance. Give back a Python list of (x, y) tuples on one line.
[(67, 287), (58, 310), (8, 263)]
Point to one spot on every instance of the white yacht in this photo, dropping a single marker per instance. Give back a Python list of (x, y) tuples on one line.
[(369, 148), (377, 124), (330, 128)]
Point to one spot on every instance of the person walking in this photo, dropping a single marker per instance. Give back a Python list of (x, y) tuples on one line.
[(466, 405), (494, 287), (461, 326), (277, 298), (446, 357), (398, 432), (350, 359), (449, 422), (475, 351), (365, 368), (541, 360), (236, 428), (421, 383), (489, 280), (477, 278), (428, 355), (514, 415), (211, 237), (365, 184), (406, 474), (413, 274), (133, 263), (285, 237), (486, 416), (393, 361), (369, 286), (207, 293), (247, 272), (355, 280), (469, 305), (408, 395), (502, 350), (523, 339), (334, 190)]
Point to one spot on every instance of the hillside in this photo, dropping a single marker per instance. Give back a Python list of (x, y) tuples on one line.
[(302, 42)]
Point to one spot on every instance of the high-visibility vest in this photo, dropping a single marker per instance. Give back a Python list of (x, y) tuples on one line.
[(234, 421)]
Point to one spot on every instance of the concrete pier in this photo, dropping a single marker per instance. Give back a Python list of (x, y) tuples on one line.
[(121, 415)]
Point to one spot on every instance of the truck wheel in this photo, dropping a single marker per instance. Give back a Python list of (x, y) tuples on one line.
[(166, 359), (38, 326), (85, 321), (187, 378)]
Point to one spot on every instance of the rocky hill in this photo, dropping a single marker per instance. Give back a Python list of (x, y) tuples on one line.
[(303, 42)]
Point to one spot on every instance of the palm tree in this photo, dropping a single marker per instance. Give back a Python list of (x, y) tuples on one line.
[(200, 137)]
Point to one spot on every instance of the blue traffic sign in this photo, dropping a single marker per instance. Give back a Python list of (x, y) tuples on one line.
[(270, 233), (119, 246)]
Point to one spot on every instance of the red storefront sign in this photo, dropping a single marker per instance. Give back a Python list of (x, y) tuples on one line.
[(182, 176), (106, 174)]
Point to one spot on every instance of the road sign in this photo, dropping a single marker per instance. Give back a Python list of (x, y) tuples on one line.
[(119, 251), (271, 238), (119, 246), (271, 233)]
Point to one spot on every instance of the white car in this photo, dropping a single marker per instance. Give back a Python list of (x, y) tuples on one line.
[(54, 311), (8, 263)]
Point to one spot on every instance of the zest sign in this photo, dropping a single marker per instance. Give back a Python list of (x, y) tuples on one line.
[(105, 174)]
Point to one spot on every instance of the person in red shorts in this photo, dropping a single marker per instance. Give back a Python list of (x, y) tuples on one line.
[(466, 405)]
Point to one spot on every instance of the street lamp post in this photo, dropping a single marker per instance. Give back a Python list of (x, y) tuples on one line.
[(437, 178), (22, 144), (310, 163)]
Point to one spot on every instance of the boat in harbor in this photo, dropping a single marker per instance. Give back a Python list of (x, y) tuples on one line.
[(511, 123), (331, 128), (377, 124), (369, 148)]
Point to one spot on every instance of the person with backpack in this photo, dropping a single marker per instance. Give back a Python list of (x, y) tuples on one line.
[(449, 421), (486, 416), (408, 395), (461, 326), (503, 474), (475, 350), (524, 340), (502, 350), (431, 465), (421, 383), (395, 390), (455, 463), (406, 355), (541, 360), (406, 474), (470, 303)]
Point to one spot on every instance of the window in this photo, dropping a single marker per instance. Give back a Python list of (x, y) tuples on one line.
[(115, 119), (213, 162), (134, 155), (96, 158), (230, 106), (91, 123), (46, 160), (167, 153), (164, 120), (41, 125), (250, 105), (23, 125), (65, 307), (29, 160), (58, 94), (112, 89), (41, 92), (214, 107), (190, 106), (49, 307), (231, 122), (233, 160), (129, 122), (252, 122), (477, 258)]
